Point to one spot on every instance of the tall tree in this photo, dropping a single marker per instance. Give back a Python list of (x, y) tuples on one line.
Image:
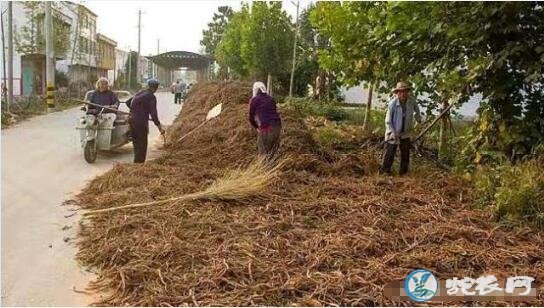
[(211, 37), (130, 66), (228, 51), (213, 34), (307, 66), (266, 40)]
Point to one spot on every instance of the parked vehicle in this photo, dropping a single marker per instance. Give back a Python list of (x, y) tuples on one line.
[(103, 130)]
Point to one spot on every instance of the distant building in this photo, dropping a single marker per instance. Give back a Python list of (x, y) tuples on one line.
[(144, 69), (29, 40), (120, 71), (82, 68), (81, 53), (105, 63)]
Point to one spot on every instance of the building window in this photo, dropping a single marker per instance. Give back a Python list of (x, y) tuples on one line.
[(83, 44)]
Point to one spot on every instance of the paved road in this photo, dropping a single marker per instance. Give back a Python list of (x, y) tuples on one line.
[(42, 166)]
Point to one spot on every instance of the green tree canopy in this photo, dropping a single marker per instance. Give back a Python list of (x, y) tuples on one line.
[(447, 48), (258, 41), (213, 34), (267, 40), (228, 52)]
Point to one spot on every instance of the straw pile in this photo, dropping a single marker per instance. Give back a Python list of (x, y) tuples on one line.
[(328, 231)]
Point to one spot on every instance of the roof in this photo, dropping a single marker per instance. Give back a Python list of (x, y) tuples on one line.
[(176, 59), (102, 37), (88, 10)]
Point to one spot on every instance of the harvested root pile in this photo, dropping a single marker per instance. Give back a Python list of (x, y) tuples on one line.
[(329, 231)]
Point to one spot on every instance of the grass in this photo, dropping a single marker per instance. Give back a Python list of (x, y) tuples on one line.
[(334, 111), (28, 107), (515, 193)]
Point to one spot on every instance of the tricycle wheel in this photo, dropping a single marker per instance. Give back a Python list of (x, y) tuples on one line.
[(89, 152)]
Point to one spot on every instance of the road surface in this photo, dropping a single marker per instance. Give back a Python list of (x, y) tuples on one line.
[(43, 166)]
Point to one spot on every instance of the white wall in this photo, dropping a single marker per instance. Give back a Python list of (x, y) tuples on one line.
[(359, 95), (18, 20)]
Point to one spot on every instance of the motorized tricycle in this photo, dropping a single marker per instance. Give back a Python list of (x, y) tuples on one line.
[(103, 129)]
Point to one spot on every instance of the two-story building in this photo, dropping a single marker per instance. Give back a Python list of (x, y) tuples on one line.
[(77, 51), (105, 61), (81, 68), (29, 43)]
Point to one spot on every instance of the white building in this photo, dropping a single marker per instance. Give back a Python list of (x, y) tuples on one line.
[(77, 58)]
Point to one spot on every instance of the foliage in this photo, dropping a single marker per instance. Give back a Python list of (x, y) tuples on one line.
[(308, 42), (212, 35), (337, 112), (448, 49), (30, 38), (228, 52), (309, 107), (267, 39), (131, 63), (61, 80), (257, 41), (514, 192)]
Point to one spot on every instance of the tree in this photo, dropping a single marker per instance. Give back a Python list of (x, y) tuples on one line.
[(256, 42), (30, 38), (211, 37), (213, 34), (448, 50), (266, 40), (131, 62), (307, 66), (228, 51)]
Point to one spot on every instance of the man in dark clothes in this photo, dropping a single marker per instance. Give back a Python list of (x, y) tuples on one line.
[(264, 117), (143, 106)]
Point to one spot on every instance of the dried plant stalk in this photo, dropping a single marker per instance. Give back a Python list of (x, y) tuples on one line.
[(239, 183)]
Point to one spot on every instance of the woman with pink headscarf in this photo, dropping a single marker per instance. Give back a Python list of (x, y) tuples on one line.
[(264, 117)]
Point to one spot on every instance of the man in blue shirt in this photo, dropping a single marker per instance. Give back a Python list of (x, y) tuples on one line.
[(142, 107), (401, 109)]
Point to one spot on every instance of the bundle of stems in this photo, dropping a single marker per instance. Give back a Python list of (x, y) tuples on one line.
[(235, 184)]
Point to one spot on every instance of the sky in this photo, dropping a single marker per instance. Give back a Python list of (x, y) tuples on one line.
[(177, 25)]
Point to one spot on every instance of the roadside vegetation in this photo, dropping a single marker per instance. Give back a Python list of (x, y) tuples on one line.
[(26, 107), (449, 51)]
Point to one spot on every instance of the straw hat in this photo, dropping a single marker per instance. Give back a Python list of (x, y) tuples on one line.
[(401, 85)]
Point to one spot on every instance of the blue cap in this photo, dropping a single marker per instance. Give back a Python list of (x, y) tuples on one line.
[(152, 83)]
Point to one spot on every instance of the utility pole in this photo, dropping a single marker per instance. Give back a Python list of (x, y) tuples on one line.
[(156, 66), (10, 55), (49, 58), (139, 39), (129, 68), (294, 55)]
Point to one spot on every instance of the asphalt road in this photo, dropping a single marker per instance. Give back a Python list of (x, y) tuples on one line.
[(43, 166)]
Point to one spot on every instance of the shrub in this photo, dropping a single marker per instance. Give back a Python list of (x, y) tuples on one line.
[(327, 136), (514, 192)]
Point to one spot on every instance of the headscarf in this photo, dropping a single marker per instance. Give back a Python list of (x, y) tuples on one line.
[(258, 86)]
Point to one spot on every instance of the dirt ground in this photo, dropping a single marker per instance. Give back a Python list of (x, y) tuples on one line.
[(328, 231)]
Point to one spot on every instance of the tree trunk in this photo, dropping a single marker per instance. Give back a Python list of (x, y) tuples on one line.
[(319, 85), (444, 130), (269, 84), (368, 105)]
